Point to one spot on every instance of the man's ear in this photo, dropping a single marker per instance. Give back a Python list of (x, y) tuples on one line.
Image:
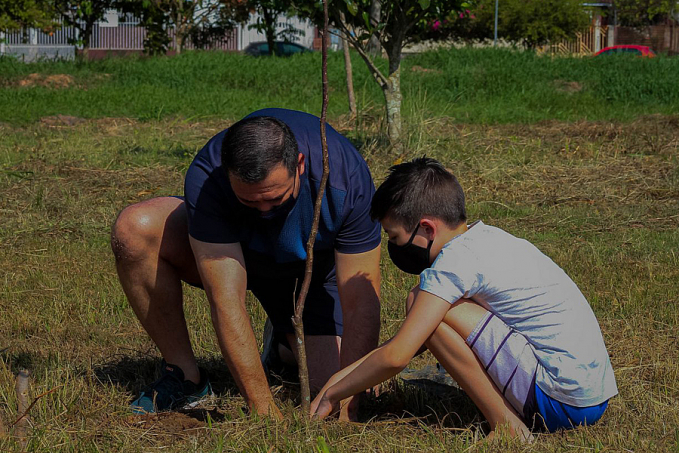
[(301, 164), (429, 228)]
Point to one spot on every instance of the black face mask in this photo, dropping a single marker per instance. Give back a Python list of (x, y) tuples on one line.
[(276, 212), (409, 257)]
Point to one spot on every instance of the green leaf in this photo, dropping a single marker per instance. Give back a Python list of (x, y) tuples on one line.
[(352, 7), (321, 445), (366, 19), (424, 4)]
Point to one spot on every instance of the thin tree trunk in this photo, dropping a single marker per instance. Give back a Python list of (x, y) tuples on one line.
[(392, 96), (350, 77), (374, 47), (179, 37), (270, 30), (297, 321)]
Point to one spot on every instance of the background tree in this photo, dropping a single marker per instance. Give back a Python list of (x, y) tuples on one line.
[(15, 14), (268, 12), (201, 21), (640, 13), (528, 22), (537, 22), (401, 22), (81, 15)]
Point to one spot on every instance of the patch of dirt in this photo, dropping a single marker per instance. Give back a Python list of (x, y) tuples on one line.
[(568, 87), (165, 422), (57, 81), (61, 121), (429, 70)]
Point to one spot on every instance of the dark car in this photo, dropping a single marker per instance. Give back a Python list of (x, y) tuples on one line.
[(640, 51), (283, 49)]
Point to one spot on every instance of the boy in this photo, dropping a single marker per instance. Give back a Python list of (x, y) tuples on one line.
[(502, 318)]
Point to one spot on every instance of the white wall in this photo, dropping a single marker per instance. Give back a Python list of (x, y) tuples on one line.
[(246, 35)]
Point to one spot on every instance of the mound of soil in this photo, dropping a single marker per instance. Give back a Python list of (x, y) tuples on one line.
[(57, 81), (165, 422), (421, 69), (61, 120), (567, 87)]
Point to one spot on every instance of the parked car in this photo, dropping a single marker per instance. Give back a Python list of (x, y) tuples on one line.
[(640, 51), (284, 49)]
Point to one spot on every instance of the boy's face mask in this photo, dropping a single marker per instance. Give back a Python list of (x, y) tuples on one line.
[(410, 258)]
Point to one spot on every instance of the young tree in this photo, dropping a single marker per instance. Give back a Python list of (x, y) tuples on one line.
[(401, 22)]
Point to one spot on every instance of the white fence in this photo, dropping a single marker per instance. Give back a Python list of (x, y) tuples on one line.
[(120, 32)]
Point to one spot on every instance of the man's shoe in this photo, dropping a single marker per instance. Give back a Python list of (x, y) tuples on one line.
[(171, 392)]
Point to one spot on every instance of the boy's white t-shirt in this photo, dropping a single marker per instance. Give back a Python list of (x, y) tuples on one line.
[(524, 288)]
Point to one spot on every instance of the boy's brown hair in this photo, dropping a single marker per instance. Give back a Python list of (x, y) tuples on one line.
[(421, 187)]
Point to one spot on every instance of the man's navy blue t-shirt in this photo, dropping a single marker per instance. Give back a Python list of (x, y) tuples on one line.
[(216, 216)]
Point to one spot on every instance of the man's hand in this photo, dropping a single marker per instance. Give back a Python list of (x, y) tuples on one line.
[(222, 271), (358, 282)]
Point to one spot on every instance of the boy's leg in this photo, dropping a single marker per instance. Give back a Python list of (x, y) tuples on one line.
[(449, 347)]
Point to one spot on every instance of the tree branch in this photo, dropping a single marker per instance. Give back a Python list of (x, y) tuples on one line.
[(377, 74)]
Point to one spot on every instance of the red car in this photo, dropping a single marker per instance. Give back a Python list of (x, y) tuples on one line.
[(640, 51)]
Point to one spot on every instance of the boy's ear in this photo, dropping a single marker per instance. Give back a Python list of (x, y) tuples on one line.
[(429, 227)]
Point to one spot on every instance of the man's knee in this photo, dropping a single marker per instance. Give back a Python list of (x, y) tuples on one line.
[(133, 232)]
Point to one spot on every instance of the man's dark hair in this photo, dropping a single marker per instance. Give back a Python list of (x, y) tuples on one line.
[(421, 187), (254, 146)]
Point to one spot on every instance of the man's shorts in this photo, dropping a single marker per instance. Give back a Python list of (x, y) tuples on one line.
[(510, 361), (277, 288)]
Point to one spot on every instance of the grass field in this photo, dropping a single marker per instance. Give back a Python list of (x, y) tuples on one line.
[(595, 188), (470, 85)]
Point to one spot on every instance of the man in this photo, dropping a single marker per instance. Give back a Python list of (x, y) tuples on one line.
[(244, 224)]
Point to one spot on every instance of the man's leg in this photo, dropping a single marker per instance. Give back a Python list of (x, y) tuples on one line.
[(449, 347), (152, 252), (323, 357)]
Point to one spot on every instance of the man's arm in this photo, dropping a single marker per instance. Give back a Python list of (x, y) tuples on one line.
[(358, 282), (222, 271)]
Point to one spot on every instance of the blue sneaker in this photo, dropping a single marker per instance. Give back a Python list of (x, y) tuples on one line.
[(171, 392)]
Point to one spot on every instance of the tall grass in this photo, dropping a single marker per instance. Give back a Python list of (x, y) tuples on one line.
[(471, 85)]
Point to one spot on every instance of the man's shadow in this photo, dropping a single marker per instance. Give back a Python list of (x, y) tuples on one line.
[(133, 374)]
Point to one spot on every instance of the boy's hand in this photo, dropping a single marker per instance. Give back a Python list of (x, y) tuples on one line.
[(321, 406)]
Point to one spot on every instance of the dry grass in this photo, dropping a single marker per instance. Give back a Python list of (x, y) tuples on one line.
[(602, 199)]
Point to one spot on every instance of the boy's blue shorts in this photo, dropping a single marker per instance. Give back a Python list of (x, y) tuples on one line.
[(557, 415), (510, 361)]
